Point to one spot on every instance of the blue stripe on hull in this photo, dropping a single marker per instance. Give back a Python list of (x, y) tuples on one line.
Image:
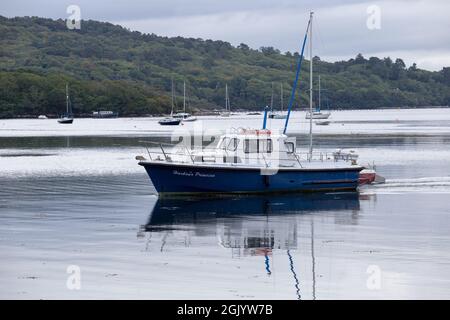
[(195, 179)]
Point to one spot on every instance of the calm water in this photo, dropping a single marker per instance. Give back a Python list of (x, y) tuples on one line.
[(83, 201)]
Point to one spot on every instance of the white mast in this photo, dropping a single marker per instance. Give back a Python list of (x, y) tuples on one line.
[(184, 96), (67, 98), (271, 99), (281, 96), (171, 111), (226, 97), (320, 106), (310, 87)]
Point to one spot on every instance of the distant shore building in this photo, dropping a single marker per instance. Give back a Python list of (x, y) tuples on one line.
[(105, 114)]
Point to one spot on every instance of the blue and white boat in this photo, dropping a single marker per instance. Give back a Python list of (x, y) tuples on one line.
[(248, 161), (251, 161)]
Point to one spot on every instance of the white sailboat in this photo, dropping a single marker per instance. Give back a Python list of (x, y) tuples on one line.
[(184, 116), (170, 121), (324, 122), (67, 118), (318, 114), (279, 115), (227, 111)]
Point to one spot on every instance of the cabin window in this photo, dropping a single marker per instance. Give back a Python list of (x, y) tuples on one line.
[(224, 143), (251, 146), (290, 147), (257, 145), (233, 144), (265, 146), (229, 144)]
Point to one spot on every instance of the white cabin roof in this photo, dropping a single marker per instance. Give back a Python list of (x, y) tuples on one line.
[(254, 134)]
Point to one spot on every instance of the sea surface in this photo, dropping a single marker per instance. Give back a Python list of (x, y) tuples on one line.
[(79, 219)]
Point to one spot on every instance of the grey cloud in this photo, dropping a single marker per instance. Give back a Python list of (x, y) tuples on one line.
[(145, 9), (417, 29)]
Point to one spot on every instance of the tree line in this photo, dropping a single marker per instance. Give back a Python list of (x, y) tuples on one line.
[(109, 67)]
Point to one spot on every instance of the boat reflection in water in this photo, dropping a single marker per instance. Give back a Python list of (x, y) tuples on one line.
[(251, 225), (173, 211)]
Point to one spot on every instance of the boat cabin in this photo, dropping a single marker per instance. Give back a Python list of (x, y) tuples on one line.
[(250, 147), (182, 115)]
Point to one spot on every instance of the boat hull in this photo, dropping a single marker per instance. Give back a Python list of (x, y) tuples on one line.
[(319, 116), (179, 179), (367, 177), (65, 121), (174, 122), (277, 116), (190, 119)]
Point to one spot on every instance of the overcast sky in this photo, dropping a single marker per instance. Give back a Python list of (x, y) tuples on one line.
[(414, 30)]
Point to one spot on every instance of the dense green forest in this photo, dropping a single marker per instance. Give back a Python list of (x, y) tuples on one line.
[(111, 68)]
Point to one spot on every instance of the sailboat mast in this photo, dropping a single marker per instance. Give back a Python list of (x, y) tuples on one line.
[(271, 99), (297, 74), (226, 96), (184, 96), (320, 105), (310, 88), (67, 98), (281, 96), (172, 102)]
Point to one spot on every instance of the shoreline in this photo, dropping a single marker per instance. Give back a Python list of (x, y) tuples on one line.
[(360, 123), (213, 113)]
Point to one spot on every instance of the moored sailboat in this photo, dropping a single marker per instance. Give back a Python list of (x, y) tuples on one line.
[(227, 111), (184, 116), (67, 117), (318, 114), (170, 121), (279, 115)]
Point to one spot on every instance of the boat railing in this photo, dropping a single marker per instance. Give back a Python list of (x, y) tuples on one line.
[(167, 155), (298, 159), (182, 153), (328, 156)]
